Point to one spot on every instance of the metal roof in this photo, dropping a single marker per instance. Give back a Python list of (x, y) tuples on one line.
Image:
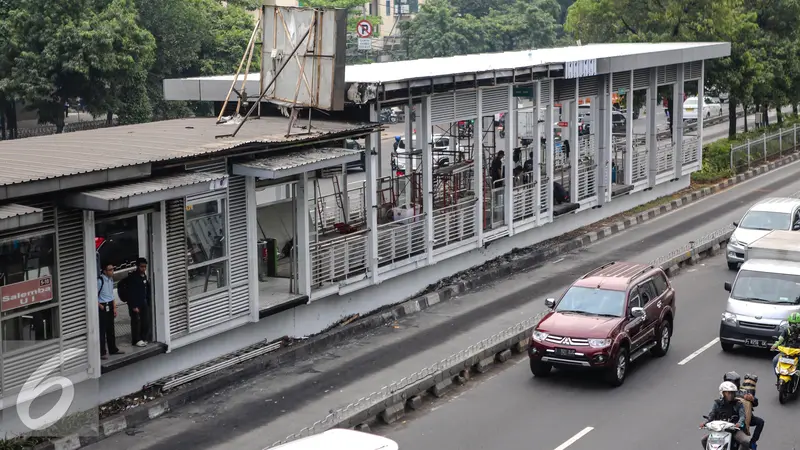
[(486, 62), (60, 155), (146, 192), (15, 216), (289, 164)]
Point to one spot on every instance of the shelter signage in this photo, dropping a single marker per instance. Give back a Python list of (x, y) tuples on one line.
[(523, 91), (364, 32), (578, 69), (25, 293)]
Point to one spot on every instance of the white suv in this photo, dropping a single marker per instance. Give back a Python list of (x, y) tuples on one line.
[(779, 213)]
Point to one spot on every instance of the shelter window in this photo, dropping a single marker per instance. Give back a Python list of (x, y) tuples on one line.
[(206, 232)]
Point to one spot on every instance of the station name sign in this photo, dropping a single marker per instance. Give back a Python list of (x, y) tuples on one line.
[(577, 69), (26, 293)]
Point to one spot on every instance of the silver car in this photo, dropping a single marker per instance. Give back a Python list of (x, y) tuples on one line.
[(780, 213)]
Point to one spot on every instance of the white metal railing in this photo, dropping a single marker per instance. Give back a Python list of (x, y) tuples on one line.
[(525, 199), (544, 192), (401, 239), (587, 180), (560, 160), (332, 214), (763, 148), (666, 158), (640, 163), (587, 145), (339, 259), (454, 223), (690, 149)]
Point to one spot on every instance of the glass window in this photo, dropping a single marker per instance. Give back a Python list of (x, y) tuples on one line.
[(207, 256), (648, 292), (598, 302), (25, 330), (26, 273), (660, 281), (636, 301), (766, 220), (388, 7), (117, 242), (764, 287)]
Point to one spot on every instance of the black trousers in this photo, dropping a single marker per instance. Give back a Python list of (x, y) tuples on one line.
[(140, 324), (107, 336), (757, 422)]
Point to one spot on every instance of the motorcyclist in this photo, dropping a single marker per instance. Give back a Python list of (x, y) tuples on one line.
[(726, 408), (755, 421), (790, 337)]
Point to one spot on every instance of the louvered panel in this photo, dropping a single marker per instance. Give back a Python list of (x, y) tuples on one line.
[(622, 80), (565, 90), (443, 108), (79, 364), (209, 311), (240, 301), (693, 70), (667, 74), (589, 86), (176, 267), (544, 91), (208, 166), (17, 368), (70, 267), (495, 100), (641, 78), (237, 220), (466, 106), (47, 225)]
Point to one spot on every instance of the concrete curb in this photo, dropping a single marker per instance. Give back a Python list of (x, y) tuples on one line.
[(139, 415), (435, 385)]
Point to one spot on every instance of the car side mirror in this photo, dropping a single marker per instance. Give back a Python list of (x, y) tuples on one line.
[(637, 312), (736, 224), (727, 286), (550, 303)]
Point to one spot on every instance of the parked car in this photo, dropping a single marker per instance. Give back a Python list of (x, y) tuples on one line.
[(607, 319), (619, 123), (777, 213), (442, 154), (353, 144), (710, 108)]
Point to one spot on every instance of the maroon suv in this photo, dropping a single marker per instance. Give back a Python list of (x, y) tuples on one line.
[(609, 317)]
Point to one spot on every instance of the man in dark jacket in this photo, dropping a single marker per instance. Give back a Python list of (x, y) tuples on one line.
[(135, 290), (727, 407)]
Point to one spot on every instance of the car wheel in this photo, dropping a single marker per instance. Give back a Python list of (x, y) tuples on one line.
[(540, 369), (616, 374), (664, 339), (733, 266), (708, 115), (393, 119), (727, 347)]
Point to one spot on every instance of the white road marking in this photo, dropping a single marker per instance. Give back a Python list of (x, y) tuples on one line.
[(559, 260), (575, 438), (698, 351)]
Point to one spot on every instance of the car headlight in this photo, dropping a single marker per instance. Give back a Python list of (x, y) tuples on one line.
[(539, 336), (729, 318), (733, 241), (784, 324), (599, 343)]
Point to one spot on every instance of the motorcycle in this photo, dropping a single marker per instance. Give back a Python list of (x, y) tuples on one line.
[(720, 435), (786, 370), (389, 116)]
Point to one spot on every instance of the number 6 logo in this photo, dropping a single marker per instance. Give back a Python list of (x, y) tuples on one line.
[(37, 384)]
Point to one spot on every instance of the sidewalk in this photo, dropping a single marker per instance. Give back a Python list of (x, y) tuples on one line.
[(257, 412)]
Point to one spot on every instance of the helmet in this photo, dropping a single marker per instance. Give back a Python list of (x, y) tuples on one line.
[(397, 138), (794, 319), (733, 377), (727, 386)]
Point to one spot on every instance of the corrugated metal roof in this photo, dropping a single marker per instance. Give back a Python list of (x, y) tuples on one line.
[(155, 185), (483, 62), (46, 157), (300, 159), (15, 210)]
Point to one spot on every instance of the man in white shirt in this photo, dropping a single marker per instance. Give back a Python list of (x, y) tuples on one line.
[(108, 311)]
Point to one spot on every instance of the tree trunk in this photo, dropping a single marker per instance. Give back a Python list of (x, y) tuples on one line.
[(110, 118), (765, 114), (732, 118), (779, 114), (794, 109), (60, 114)]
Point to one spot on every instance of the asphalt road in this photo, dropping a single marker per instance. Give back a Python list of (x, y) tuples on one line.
[(659, 406), (262, 410)]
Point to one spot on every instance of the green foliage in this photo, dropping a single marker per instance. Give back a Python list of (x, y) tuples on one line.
[(442, 29)]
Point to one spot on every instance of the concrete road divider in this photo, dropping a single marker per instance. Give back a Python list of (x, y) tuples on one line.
[(390, 403)]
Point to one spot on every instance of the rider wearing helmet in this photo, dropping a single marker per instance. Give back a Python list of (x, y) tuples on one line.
[(790, 337), (755, 421), (728, 407)]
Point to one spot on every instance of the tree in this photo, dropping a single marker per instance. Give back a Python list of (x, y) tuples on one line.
[(522, 25), (438, 30), (69, 49)]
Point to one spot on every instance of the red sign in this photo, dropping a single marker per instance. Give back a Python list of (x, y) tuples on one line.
[(26, 293)]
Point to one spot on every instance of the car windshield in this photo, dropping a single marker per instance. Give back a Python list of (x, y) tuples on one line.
[(596, 302), (765, 287), (766, 220)]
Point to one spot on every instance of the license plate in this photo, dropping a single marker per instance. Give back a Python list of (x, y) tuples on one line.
[(755, 343), (689, 109), (789, 361), (565, 352)]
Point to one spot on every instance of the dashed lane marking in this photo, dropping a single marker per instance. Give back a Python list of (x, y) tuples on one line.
[(575, 438), (698, 351)]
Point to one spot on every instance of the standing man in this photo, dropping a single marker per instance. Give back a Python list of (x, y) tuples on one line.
[(108, 311), (136, 288)]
